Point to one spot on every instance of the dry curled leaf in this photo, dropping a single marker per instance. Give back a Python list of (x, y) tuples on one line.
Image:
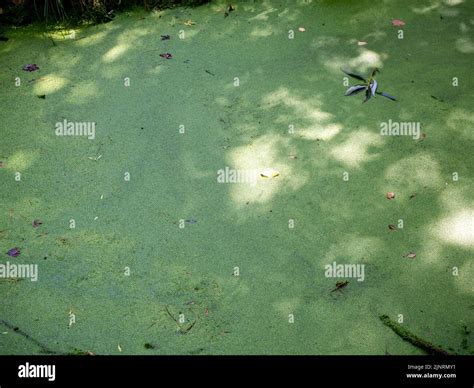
[(269, 173), (390, 195), (392, 227), (37, 223), (410, 255)]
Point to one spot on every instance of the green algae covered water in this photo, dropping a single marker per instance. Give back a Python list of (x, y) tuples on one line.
[(210, 202)]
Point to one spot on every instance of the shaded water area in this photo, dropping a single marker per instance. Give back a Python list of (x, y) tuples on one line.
[(142, 250)]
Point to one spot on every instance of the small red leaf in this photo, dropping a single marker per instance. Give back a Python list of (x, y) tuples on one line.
[(398, 22)]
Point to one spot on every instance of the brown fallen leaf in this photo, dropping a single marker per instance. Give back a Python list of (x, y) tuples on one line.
[(390, 195), (410, 255), (392, 227), (269, 173), (2, 164), (423, 136), (189, 22)]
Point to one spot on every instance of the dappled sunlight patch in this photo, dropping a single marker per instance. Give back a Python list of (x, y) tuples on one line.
[(428, 8), (67, 62), (324, 41), (453, 2), (352, 249), (49, 84), (290, 15), (449, 12), (355, 150), (365, 61), (83, 92), (21, 160), (430, 253), (263, 16), (305, 108), (63, 34), (132, 35), (320, 132), (115, 53), (415, 172), (461, 120), (318, 128), (375, 36), (222, 101), (464, 28), (190, 33), (457, 228), (463, 281), (257, 158), (455, 198), (92, 39), (157, 69), (286, 306), (444, 7), (242, 79), (262, 32), (465, 45)]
